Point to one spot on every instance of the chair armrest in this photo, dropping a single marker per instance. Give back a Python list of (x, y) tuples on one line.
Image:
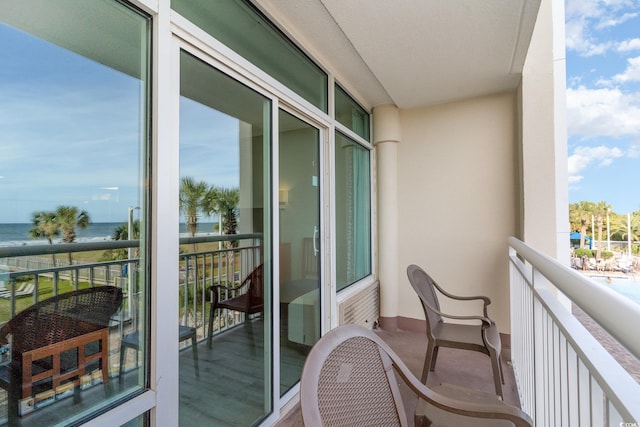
[(484, 319), (484, 409), (494, 409), (485, 300), (233, 288)]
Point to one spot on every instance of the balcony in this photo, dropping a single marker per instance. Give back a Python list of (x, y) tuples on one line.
[(555, 369)]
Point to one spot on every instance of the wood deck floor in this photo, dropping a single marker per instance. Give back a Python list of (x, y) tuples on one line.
[(230, 390)]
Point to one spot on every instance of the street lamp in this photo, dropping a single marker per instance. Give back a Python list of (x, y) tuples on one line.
[(129, 256)]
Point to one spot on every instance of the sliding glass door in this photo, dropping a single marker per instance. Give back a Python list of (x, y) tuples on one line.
[(300, 272), (224, 288)]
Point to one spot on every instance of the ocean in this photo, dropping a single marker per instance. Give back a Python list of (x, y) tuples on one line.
[(18, 234)]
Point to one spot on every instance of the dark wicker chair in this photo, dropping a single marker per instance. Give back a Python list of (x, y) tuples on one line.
[(248, 297), (482, 337), (41, 333), (350, 378)]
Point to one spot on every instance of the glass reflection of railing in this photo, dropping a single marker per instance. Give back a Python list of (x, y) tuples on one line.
[(220, 260), (203, 260)]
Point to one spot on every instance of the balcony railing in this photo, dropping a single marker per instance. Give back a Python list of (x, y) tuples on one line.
[(564, 375), (204, 261)]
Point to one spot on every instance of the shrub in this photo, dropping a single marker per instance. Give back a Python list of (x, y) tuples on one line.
[(607, 254), (580, 252)]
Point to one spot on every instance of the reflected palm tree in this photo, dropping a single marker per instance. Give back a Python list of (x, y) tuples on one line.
[(192, 202), (121, 232), (45, 225), (68, 218), (224, 202)]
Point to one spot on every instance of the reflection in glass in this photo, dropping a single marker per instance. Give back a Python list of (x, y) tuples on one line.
[(237, 24), (73, 117), (224, 287), (353, 212), (299, 245), (351, 114)]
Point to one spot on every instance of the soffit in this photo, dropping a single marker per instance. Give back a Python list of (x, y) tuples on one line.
[(413, 53)]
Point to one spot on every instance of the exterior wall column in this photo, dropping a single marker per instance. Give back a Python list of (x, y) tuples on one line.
[(545, 212), (386, 136)]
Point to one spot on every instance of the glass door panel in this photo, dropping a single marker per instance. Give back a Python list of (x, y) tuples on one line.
[(224, 209), (299, 200)]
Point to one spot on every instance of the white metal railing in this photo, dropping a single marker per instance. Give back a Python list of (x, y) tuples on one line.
[(564, 376)]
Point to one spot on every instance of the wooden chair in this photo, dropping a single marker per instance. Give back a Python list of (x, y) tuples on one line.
[(248, 298), (350, 379), (482, 337)]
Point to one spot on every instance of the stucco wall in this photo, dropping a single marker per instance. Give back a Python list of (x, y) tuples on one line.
[(457, 199), (544, 145)]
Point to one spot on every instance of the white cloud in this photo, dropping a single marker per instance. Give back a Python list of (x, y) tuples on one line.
[(628, 45), (579, 40), (612, 21), (584, 18), (605, 112), (631, 74), (583, 157)]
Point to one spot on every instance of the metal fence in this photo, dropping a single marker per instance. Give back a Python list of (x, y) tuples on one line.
[(230, 260)]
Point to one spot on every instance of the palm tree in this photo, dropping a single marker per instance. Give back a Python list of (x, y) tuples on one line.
[(192, 195), (45, 225), (620, 227), (224, 202), (192, 202), (121, 232), (68, 218), (600, 211), (579, 214)]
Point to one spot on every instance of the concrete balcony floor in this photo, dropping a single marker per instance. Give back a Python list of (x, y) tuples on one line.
[(460, 367)]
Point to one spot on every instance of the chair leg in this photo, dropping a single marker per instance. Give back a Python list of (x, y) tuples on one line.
[(194, 348), (427, 362), (497, 374), (210, 333), (123, 349), (434, 357)]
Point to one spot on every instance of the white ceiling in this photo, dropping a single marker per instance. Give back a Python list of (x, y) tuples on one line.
[(412, 52)]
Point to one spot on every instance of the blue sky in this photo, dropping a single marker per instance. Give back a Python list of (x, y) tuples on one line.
[(603, 102), (71, 131), (51, 106)]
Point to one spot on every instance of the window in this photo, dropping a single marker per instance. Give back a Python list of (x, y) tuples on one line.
[(238, 25), (351, 114), (73, 97), (353, 211)]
